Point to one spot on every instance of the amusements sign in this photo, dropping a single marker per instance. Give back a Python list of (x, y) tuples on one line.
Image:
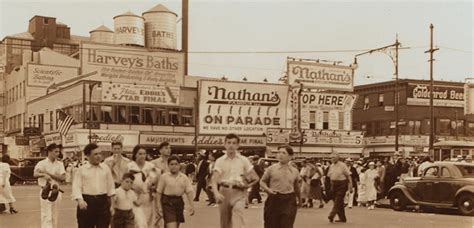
[(140, 94), (321, 76), (203, 140), (445, 96), (46, 75), (241, 108), (132, 65)]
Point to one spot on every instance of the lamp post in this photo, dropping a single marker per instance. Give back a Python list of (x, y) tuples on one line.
[(393, 54), (91, 87)]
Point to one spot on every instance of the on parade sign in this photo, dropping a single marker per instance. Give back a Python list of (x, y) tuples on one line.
[(240, 107), (141, 94)]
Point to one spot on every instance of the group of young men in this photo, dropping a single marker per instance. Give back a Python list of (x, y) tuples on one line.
[(103, 190)]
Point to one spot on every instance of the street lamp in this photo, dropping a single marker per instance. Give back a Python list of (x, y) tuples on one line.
[(393, 54), (91, 87)]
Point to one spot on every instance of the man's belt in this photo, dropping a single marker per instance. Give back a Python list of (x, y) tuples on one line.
[(225, 185)]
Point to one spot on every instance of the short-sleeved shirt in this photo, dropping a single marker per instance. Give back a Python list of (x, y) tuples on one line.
[(232, 170), (174, 185), (338, 171), (117, 169), (281, 178), (124, 199), (55, 168)]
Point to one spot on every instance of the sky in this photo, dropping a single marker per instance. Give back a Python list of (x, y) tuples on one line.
[(325, 30)]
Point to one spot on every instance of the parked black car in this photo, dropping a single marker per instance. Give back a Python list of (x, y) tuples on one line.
[(443, 184), (23, 170)]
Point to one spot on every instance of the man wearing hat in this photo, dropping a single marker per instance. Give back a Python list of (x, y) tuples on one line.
[(468, 159)]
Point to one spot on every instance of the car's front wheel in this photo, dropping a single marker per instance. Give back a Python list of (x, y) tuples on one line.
[(465, 204), (398, 201)]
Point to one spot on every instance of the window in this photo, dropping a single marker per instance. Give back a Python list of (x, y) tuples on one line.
[(445, 172), (41, 122), (148, 115), (121, 112), (431, 172), (93, 113), (312, 119), (341, 120), (470, 129), (411, 127), (34, 121), (444, 126), (366, 102), (107, 116), (370, 130), (425, 127), (173, 116), (377, 128), (363, 127), (134, 115), (325, 120), (29, 122), (417, 130), (51, 123), (381, 99), (160, 116), (187, 117), (46, 21)]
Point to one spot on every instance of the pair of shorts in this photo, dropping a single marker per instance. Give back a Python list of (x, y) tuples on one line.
[(123, 218), (173, 208)]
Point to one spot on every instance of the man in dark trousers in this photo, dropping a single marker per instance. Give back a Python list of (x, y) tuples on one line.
[(340, 181), (203, 166), (255, 189)]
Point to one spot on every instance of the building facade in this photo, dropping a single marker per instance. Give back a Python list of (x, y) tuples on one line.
[(375, 112)]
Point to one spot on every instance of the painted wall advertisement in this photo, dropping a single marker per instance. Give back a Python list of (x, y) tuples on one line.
[(469, 98), (132, 65), (443, 96), (241, 108), (321, 76), (333, 137), (46, 75), (278, 136), (203, 140), (413, 140), (140, 94)]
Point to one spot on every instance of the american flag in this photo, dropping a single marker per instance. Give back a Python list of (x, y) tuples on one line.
[(64, 122)]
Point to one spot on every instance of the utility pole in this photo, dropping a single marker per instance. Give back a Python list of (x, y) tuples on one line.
[(184, 31), (300, 93), (432, 120), (456, 119), (397, 95)]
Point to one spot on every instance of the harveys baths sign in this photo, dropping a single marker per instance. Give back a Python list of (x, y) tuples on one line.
[(242, 108), (321, 76)]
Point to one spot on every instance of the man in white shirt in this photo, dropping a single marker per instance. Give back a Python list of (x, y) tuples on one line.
[(230, 182), (50, 172), (426, 162), (92, 187), (117, 163)]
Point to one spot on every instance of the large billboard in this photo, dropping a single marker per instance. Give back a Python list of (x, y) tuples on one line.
[(115, 63), (469, 98), (46, 75), (140, 94), (321, 76), (241, 108), (443, 96)]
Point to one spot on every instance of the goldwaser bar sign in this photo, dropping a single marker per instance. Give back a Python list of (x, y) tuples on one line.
[(321, 76), (132, 65), (241, 108), (140, 94)]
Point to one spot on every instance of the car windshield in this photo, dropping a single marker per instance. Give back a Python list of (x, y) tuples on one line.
[(466, 170)]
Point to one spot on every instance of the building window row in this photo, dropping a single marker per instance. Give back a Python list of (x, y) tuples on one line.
[(15, 93)]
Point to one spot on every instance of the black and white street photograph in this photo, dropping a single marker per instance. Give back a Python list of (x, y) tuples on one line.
[(236, 113)]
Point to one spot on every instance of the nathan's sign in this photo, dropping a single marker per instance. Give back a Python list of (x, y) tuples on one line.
[(321, 76), (446, 96), (333, 137), (46, 75), (242, 108), (132, 65), (203, 140), (141, 94)]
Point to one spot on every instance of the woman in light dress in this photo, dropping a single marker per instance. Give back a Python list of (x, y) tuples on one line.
[(6, 194), (370, 185), (146, 177), (361, 196)]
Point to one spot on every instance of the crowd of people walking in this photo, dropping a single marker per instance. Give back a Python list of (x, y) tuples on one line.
[(145, 193)]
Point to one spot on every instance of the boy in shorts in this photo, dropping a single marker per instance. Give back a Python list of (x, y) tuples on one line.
[(171, 188), (122, 203)]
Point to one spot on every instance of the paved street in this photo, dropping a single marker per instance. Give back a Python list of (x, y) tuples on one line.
[(29, 216)]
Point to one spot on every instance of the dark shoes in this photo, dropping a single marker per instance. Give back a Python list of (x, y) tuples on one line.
[(13, 211), (45, 192), (54, 193), (331, 219), (342, 221), (321, 205)]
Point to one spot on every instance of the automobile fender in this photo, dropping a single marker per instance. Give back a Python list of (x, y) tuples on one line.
[(465, 189), (405, 191)]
